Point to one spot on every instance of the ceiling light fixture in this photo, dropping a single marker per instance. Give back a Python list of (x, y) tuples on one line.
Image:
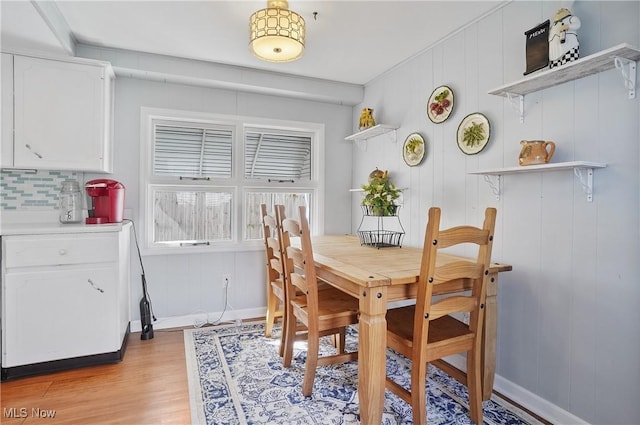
[(277, 34)]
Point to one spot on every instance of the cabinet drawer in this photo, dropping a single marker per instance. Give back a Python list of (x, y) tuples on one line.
[(28, 251)]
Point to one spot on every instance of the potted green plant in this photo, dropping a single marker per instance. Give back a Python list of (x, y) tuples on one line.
[(380, 195)]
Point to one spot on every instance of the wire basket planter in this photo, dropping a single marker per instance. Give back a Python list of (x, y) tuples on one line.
[(380, 238), (380, 231)]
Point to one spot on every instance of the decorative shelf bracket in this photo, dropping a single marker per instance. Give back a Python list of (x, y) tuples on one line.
[(495, 183), (587, 184), (517, 101), (628, 76)]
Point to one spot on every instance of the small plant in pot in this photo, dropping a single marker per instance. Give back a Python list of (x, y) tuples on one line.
[(380, 194)]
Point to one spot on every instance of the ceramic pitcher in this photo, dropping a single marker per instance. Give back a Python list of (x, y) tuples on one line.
[(536, 152)]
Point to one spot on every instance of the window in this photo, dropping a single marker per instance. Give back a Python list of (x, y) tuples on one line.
[(290, 200), (204, 177), (191, 217)]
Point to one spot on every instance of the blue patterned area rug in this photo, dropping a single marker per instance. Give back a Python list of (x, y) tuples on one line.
[(237, 377)]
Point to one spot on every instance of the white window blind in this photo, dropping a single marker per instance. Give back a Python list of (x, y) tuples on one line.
[(189, 151), (277, 156)]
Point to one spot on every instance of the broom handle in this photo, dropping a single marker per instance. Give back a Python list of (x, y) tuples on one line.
[(145, 292)]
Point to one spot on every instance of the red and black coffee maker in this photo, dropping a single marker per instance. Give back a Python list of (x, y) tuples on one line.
[(105, 201)]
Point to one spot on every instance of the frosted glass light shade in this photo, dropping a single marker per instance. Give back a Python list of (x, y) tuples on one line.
[(276, 33)]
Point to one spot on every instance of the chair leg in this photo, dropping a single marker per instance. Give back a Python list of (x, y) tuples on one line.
[(341, 341), (272, 305), (283, 333), (474, 386), (419, 392), (289, 333), (338, 340), (313, 345)]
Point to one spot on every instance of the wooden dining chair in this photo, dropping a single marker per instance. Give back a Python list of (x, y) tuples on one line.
[(322, 309), (275, 274), (276, 288), (426, 331)]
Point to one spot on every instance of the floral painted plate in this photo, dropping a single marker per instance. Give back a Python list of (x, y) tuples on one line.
[(473, 133), (440, 104), (413, 149)]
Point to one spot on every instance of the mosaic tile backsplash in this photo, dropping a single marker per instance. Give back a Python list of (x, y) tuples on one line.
[(32, 190)]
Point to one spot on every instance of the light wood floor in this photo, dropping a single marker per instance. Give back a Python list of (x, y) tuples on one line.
[(148, 387)]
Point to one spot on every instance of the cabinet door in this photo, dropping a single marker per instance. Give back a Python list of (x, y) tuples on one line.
[(6, 155), (59, 115), (51, 315)]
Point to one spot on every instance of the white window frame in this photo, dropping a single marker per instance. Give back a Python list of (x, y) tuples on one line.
[(237, 184)]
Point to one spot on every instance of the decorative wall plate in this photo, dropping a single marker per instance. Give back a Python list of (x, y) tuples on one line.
[(473, 133), (440, 104), (413, 149)]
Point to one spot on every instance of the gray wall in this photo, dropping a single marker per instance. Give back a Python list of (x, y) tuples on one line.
[(186, 285), (569, 323)]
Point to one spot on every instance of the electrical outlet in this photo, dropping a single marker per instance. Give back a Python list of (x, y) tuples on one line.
[(226, 280)]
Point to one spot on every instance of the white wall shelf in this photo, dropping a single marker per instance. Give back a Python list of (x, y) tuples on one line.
[(361, 137), (401, 189), (582, 169), (622, 57)]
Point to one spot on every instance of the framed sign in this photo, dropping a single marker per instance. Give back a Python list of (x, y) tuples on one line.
[(537, 45)]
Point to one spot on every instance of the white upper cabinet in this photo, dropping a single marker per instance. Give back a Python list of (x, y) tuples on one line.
[(6, 73), (62, 115)]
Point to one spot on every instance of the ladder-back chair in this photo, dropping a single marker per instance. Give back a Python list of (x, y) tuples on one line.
[(275, 274), (426, 331), (324, 311)]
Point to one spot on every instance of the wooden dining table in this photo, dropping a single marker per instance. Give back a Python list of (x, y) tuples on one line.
[(380, 276)]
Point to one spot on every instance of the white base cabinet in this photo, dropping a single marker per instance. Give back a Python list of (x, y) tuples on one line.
[(65, 300), (59, 314)]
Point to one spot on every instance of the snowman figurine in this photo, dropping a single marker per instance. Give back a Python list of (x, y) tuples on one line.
[(563, 39)]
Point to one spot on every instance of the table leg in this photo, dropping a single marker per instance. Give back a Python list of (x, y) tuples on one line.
[(490, 337), (372, 349)]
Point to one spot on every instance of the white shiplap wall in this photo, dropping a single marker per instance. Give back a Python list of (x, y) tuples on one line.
[(569, 326)]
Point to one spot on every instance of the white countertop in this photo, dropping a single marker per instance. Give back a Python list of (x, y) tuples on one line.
[(29, 223), (8, 229)]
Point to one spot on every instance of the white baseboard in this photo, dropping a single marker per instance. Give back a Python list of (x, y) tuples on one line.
[(200, 319), (535, 403), (525, 398)]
